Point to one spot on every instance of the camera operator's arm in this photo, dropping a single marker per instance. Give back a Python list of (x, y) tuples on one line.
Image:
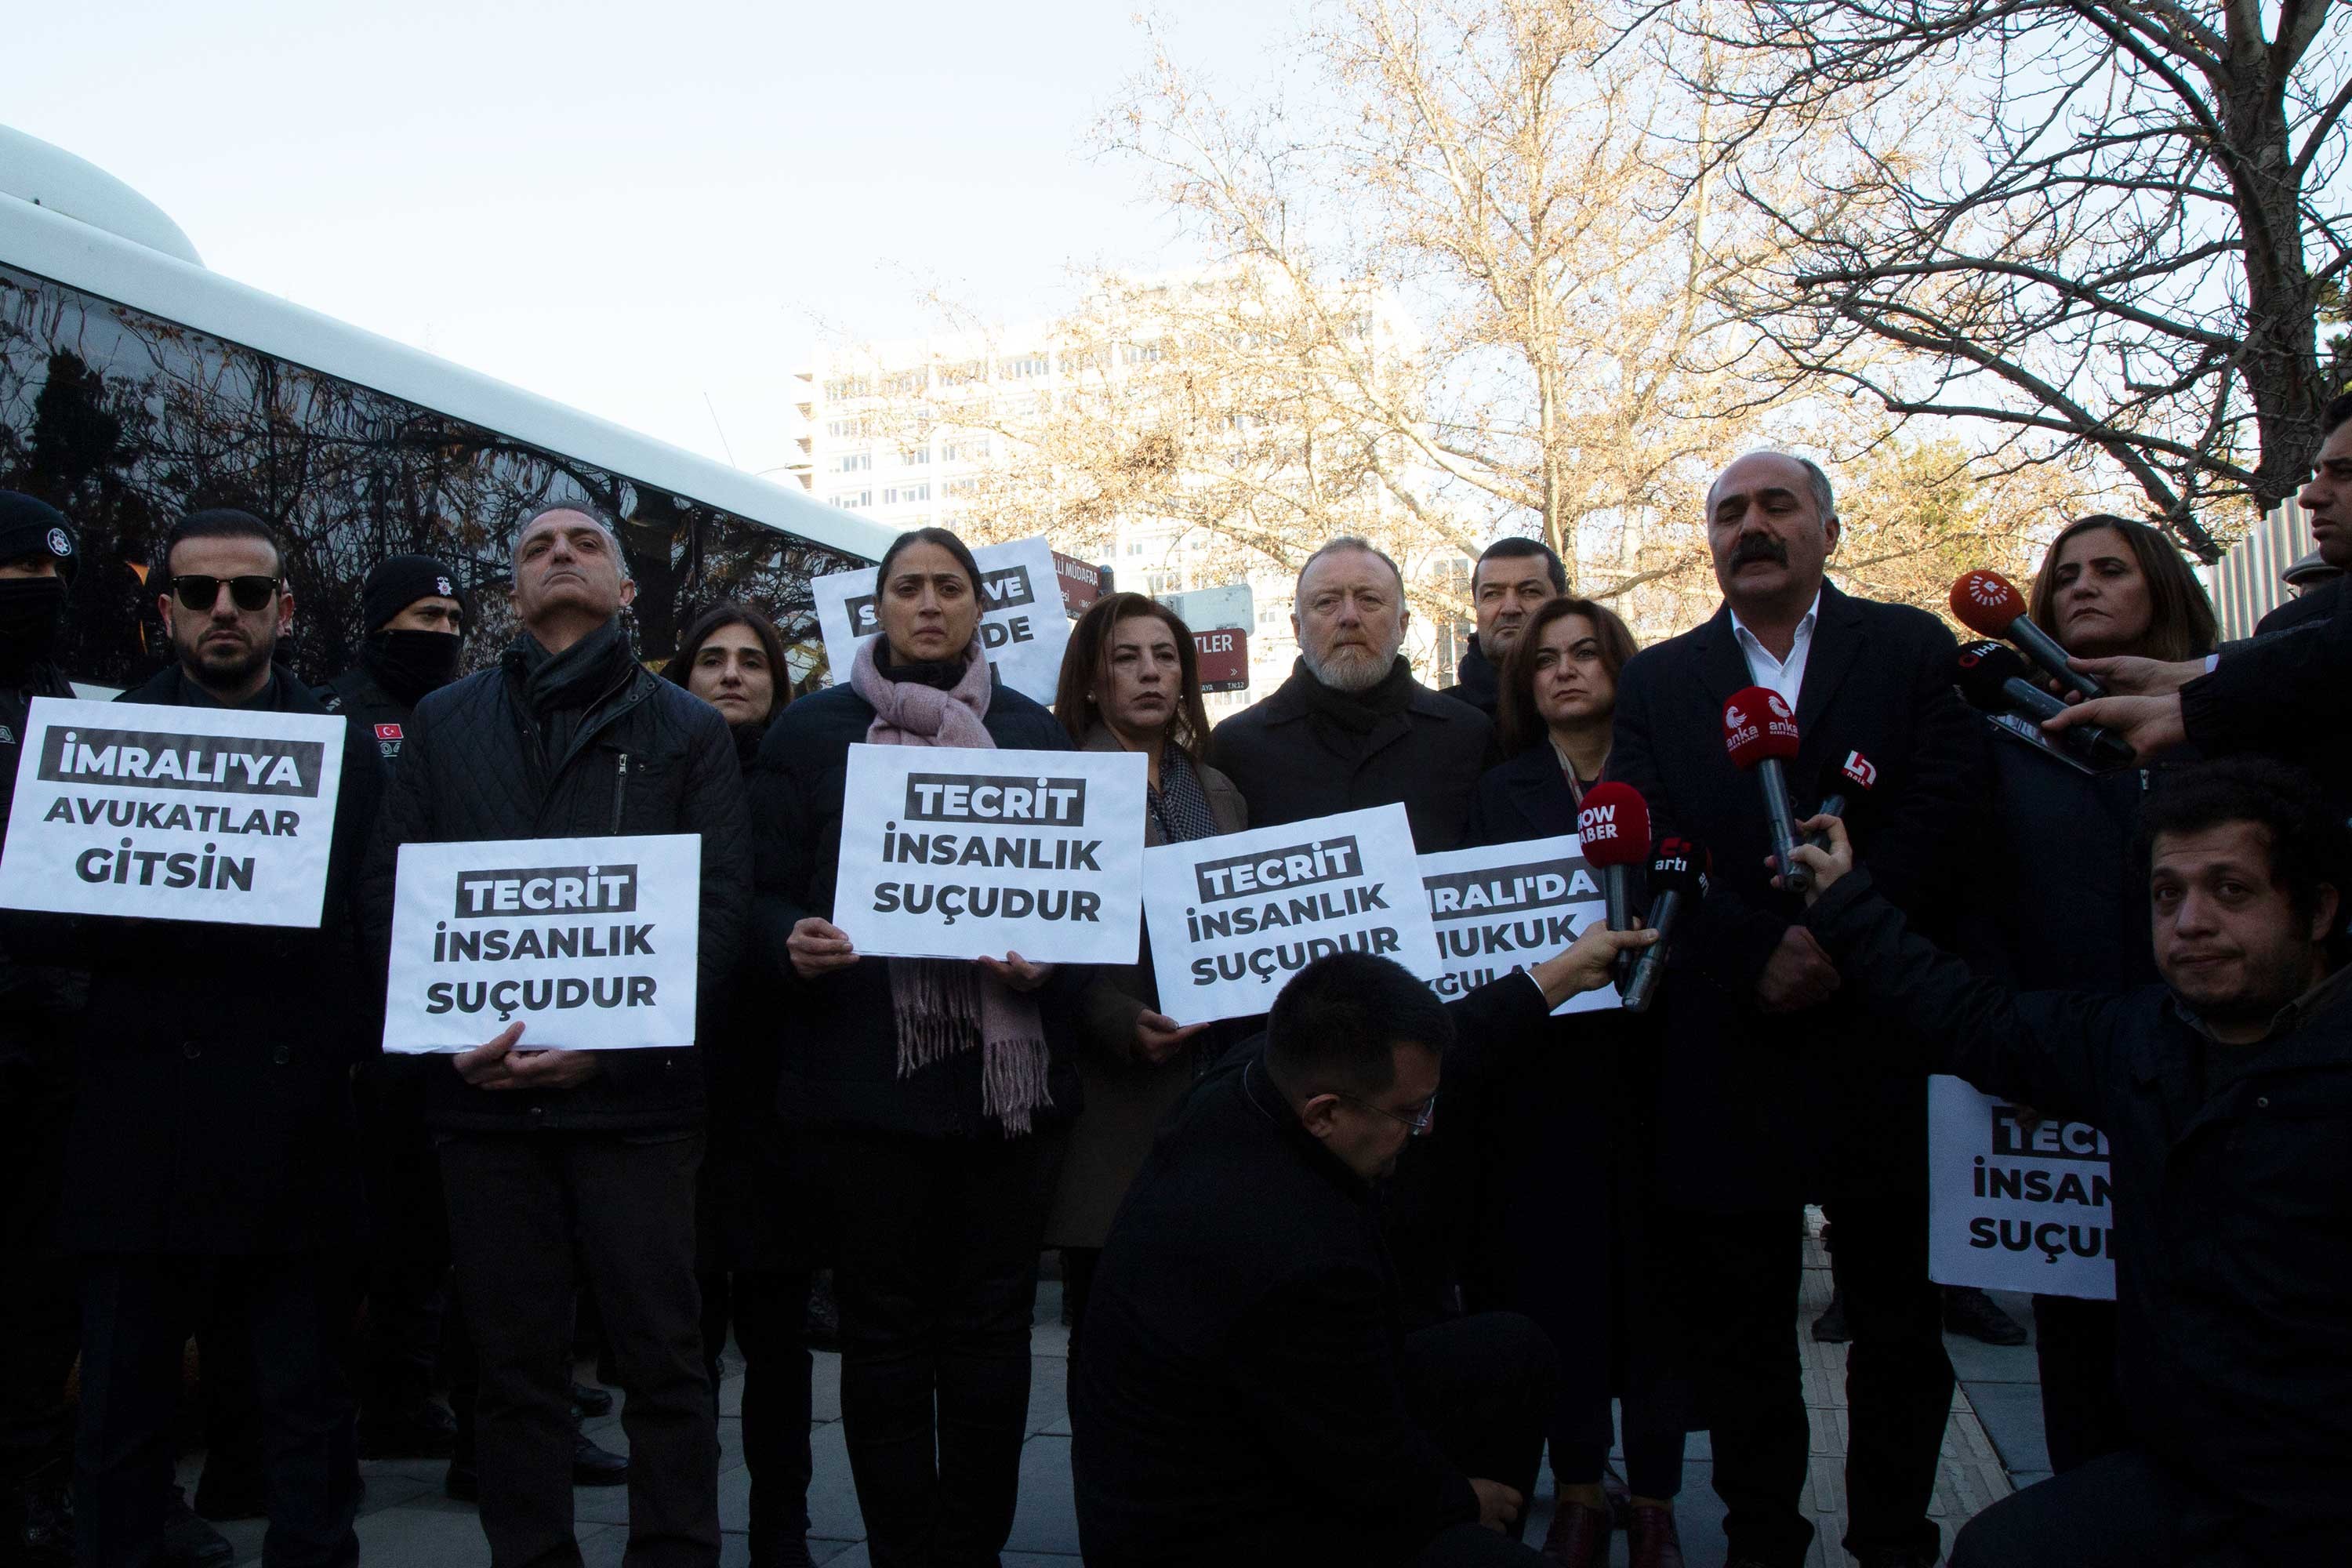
[(2050, 1049)]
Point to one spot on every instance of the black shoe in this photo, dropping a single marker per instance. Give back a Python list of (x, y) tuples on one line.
[(1897, 1557), (462, 1481), (37, 1521), (188, 1541), (791, 1552), (1830, 1328), (595, 1467), (421, 1431), (229, 1491), (588, 1401), (1968, 1311)]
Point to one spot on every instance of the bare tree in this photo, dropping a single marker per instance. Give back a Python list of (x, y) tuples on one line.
[(2105, 229)]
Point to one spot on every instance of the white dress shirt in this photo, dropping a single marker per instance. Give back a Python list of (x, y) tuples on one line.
[(1785, 676)]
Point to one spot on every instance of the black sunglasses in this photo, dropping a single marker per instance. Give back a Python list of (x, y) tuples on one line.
[(196, 592)]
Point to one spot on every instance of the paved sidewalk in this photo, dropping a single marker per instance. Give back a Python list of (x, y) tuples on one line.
[(1993, 1443)]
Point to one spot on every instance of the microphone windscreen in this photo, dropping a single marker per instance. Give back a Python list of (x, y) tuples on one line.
[(1757, 725), (1615, 823), (1679, 866), (1986, 602), (1982, 669)]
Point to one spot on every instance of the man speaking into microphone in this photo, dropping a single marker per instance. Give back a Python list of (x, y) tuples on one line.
[(1768, 1097)]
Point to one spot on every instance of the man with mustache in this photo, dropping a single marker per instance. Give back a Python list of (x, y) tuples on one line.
[(1772, 1092), (1513, 576)]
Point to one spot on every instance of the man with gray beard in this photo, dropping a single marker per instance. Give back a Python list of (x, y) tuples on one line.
[(1351, 728)]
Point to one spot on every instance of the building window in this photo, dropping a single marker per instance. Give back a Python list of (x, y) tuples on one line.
[(1140, 354), (960, 486), (853, 462), (898, 495), (903, 382), (1023, 367), (963, 372), (850, 500), (911, 456), (841, 388), (963, 449), (857, 429)]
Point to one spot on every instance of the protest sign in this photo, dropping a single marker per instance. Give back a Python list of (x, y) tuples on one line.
[(175, 814), (1233, 918), (1511, 906), (946, 853), (2013, 1206), (1022, 624), (589, 941), (1219, 619)]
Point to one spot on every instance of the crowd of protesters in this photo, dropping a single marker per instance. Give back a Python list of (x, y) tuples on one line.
[(1312, 1321)]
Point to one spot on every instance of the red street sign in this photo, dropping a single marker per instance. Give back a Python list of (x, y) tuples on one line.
[(1224, 658), (1081, 584)]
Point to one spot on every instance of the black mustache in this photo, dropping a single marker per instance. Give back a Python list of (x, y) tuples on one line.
[(1758, 547)]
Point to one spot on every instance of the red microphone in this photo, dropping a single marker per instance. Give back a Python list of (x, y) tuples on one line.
[(1614, 824), (1988, 605), (1761, 732)]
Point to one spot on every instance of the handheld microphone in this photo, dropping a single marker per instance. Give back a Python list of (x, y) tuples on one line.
[(1860, 775), (1614, 824), (1992, 678), (1761, 732), (1677, 875), (1988, 605)]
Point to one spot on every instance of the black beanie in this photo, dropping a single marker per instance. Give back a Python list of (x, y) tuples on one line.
[(30, 526), (398, 582)]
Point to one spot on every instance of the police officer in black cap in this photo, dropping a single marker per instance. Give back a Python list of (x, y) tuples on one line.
[(416, 624), (38, 1337)]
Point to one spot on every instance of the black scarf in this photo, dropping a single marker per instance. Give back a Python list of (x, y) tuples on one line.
[(747, 742), (943, 674), (408, 664), (1179, 807), (560, 688), (31, 609), (1358, 714)]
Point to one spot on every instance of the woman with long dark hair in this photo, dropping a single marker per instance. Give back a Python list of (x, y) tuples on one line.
[(1565, 1232), (932, 1096), (751, 1246), (1131, 682), (2060, 903)]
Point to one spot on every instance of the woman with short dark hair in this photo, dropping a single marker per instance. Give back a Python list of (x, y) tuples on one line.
[(1131, 682), (932, 1096)]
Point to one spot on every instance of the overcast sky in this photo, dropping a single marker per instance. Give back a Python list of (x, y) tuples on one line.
[(626, 207)]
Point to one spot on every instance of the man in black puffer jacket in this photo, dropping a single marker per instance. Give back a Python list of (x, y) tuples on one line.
[(544, 1151)]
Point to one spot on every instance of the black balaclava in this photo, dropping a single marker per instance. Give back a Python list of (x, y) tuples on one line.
[(408, 664), (31, 610)]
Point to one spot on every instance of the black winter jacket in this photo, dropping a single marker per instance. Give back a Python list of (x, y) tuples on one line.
[(1290, 767), (646, 757), (2232, 1213), (213, 1111), (381, 717), (1478, 680), (2285, 691), (37, 999), (840, 1056)]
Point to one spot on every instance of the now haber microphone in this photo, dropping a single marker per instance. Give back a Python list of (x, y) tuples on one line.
[(1992, 678), (1988, 605), (1613, 821), (1856, 777), (1677, 877), (1761, 732)]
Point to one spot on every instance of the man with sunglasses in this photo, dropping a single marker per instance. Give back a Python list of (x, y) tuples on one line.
[(209, 1157), (1249, 1394)]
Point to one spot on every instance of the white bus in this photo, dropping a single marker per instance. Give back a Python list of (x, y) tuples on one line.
[(137, 386)]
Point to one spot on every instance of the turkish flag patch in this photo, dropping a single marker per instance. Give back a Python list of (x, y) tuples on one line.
[(387, 732)]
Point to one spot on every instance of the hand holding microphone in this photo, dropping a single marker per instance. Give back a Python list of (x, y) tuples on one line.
[(1988, 605), (1760, 734), (1677, 877), (1992, 679)]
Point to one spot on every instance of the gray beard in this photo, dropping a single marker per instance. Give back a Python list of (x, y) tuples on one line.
[(1351, 672)]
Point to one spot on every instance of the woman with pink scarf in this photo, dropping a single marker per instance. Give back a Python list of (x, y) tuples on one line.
[(931, 1096)]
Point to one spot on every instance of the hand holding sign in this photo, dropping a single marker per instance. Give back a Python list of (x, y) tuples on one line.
[(1159, 1037), (819, 948), (1017, 971), (496, 1064)]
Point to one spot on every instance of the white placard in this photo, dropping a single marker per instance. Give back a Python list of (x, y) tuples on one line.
[(949, 853), (2013, 1207), (1233, 918), (176, 814), (1507, 907), (1021, 625), (589, 941)]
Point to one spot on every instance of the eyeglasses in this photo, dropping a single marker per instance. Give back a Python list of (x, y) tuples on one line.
[(1418, 1122), (196, 592)]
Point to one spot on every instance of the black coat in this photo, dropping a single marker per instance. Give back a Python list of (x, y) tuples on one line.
[(2284, 692), (1240, 1387), (213, 1111), (1478, 680), (648, 757), (2232, 1214), (1751, 1099), (1290, 767), (380, 716), (841, 1054)]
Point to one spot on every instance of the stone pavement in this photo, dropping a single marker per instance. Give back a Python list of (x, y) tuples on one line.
[(1994, 1442)]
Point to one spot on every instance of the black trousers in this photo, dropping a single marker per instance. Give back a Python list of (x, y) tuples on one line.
[(407, 1247), (137, 1311), (937, 1282), (770, 1314), (522, 1206), (2130, 1510), (39, 1325), (2081, 1410)]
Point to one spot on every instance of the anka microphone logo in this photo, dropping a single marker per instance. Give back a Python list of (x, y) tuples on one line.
[(1733, 719), (1861, 770)]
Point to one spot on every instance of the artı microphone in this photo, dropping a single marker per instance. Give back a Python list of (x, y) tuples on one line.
[(1677, 877), (1760, 734), (1614, 824), (1858, 774), (1988, 605), (1993, 679)]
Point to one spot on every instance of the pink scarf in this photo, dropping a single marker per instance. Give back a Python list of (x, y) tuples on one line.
[(944, 1005)]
